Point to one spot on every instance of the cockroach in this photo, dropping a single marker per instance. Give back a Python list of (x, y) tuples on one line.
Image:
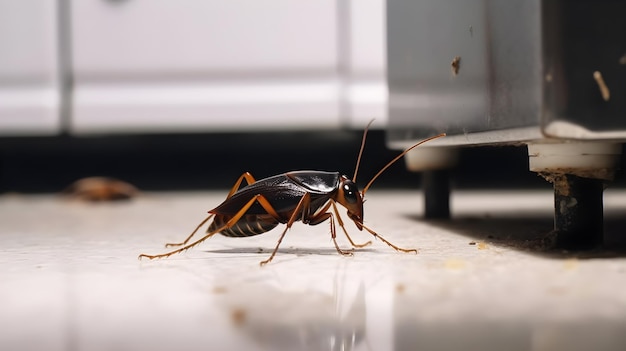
[(96, 189), (306, 196)]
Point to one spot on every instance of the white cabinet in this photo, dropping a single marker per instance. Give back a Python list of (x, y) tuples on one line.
[(204, 65), (367, 60), (135, 66), (29, 79)]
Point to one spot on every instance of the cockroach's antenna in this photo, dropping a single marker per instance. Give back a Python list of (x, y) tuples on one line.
[(397, 158), (358, 159)]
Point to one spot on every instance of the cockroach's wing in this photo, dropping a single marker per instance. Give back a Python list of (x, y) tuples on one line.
[(316, 182), (281, 192)]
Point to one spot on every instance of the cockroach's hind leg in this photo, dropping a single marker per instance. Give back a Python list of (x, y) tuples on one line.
[(185, 248), (192, 233), (150, 257), (247, 176), (397, 248), (415, 251)]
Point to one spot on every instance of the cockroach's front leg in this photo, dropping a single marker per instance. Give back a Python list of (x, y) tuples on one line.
[(345, 231), (387, 242), (325, 215), (333, 234)]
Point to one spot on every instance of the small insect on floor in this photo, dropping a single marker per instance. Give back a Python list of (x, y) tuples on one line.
[(254, 207)]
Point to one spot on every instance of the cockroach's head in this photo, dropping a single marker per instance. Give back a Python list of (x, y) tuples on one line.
[(348, 196)]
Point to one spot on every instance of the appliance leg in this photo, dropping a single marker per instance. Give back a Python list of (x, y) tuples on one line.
[(578, 212), (578, 171), (436, 165), (436, 187)]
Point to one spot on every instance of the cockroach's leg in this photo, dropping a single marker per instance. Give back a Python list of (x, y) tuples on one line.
[(192, 233), (345, 231), (387, 242), (249, 179), (228, 224), (168, 254), (303, 205), (323, 215), (247, 176), (264, 262), (333, 235), (319, 217)]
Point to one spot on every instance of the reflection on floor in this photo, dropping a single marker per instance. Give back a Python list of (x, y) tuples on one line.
[(71, 279)]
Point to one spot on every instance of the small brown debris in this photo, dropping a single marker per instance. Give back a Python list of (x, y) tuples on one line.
[(456, 65), (482, 245), (472, 243), (570, 264), (400, 288), (604, 90), (219, 290), (238, 316), (557, 290), (454, 264)]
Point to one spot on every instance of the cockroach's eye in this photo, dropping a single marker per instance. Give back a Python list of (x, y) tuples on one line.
[(350, 193)]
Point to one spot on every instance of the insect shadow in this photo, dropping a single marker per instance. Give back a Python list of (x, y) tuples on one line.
[(289, 250)]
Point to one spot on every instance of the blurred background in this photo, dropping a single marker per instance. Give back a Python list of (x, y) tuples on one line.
[(185, 96), (188, 95)]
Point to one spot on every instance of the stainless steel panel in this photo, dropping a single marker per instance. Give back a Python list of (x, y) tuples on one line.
[(524, 65)]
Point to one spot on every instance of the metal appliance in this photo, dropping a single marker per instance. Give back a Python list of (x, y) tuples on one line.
[(547, 75)]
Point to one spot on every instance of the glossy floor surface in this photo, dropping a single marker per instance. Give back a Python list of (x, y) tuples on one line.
[(70, 279)]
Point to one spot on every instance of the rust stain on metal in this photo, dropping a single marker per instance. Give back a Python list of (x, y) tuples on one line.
[(456, 65), (549, 77), (556, 176)]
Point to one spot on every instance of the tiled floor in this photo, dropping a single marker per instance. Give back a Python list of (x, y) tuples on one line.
[(70, 279)]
